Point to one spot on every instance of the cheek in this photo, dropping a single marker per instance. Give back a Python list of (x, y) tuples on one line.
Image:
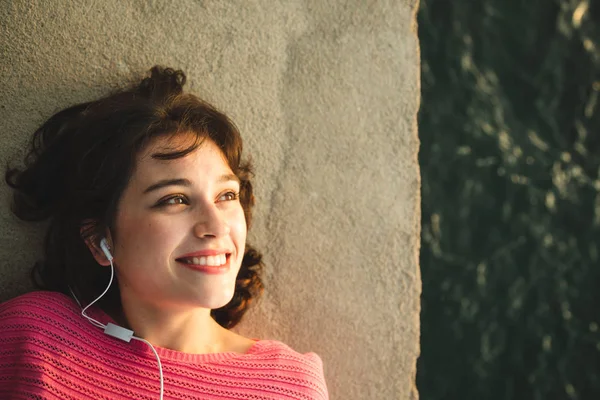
[(239, 230), (139, 238)]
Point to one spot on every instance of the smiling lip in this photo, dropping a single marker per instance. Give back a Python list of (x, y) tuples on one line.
[(207, 252), (207, 269)]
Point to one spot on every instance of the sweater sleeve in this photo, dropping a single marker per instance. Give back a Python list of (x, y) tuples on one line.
[(23, 361), (32, 347), (301, 373), (319, 376)]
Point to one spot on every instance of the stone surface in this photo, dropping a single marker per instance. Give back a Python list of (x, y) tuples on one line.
[(325, 94)]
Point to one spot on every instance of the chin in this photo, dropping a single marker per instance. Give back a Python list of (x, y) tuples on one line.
[(215, 302)]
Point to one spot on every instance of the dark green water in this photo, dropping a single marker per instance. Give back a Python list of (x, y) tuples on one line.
[(510, 161)]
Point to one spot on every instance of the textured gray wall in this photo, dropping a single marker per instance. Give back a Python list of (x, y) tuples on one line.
[(325, 94)]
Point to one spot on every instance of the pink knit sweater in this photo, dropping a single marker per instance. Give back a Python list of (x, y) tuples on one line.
[(49, 351)]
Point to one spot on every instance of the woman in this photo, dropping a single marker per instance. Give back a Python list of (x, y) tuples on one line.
[(145, 188)]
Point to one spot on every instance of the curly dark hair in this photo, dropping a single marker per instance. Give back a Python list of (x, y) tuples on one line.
[(80, 161)]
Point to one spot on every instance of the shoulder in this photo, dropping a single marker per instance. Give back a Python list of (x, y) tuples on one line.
[(47, 348), (305, 370), (38, 303), (39, 310), (276, 350)]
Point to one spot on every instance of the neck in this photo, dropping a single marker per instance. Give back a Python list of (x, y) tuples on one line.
[(189, 330)]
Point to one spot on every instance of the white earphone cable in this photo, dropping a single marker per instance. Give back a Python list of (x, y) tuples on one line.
[(92, 320), (114, 330), (159, 363)]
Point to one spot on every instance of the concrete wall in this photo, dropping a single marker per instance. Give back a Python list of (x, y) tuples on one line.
[(325, 94)]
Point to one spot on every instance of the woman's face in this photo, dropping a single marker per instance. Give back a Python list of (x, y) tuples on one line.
[(180, 230)]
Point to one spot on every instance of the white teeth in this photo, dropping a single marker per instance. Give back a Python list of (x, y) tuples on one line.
[(213, 261)]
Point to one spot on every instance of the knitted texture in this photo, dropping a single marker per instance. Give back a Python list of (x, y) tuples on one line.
[(49, 351)]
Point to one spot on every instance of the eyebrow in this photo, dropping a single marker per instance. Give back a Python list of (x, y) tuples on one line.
[(186, 182)]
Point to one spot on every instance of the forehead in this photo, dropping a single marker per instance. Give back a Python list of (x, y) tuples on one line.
[(206, 157)]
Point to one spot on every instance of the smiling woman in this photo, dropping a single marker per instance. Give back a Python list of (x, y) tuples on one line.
[(148, 201)]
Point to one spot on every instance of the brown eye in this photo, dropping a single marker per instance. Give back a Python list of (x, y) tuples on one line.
[(173, 200), (229, 196)]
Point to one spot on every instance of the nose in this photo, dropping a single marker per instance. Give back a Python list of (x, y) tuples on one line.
[(210, 222)]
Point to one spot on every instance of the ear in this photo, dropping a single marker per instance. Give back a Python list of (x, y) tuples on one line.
[(94, 246)]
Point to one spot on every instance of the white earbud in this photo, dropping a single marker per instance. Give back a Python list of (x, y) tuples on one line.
[(105, 249)]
